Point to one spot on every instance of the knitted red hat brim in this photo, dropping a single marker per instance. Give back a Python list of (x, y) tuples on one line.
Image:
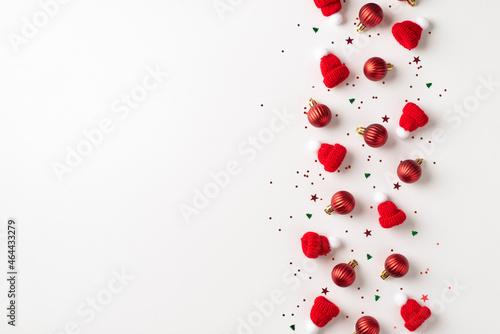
[(418, 319), (336, 76), (328, 7), (388, 222), (407, 33)]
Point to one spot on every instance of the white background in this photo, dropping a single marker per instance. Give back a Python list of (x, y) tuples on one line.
[(119, 208)]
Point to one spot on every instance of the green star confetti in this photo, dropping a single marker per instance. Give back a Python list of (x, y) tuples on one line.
[(367, 175), (292, 327), (414, 233), (309, 215), (352, 100), (368, 256), (315, 30), (377, 297), (428, 85)]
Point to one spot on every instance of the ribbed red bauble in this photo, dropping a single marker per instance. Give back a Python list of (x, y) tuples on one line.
[(318, 115), (343, 274), (342, 203), (376, 68), (412, 3), (396, 265), (367, 325), (370, 15), (409, 171), (375, 135)]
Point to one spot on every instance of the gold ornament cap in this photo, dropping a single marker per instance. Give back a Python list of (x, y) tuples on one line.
[(329, 210), (389, 66), (360, 131), (419, 161), (384, 275), (353, 263), (360, 27), (312, 102), (412, 3)]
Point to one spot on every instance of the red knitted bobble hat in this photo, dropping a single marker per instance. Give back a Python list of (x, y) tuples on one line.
[(330, 156), (390, 215), (408, 33), (412, 118), (413, 314), (334, 72), (322, 312), (315, 245)]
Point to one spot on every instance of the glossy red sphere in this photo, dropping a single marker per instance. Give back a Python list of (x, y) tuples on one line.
[(343, 275), (375, 69), (409, 171), (319, 115), (396, 265), (371, 15), (375, 135), (342, 202), (367, 325)]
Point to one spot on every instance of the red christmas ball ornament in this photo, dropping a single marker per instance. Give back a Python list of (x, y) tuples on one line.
[(343, 274), (376, 68), (342, 203), (367, 325), (396, 265), (375, 135), (318, 115), (370, 15), (412, 3), (409, 171)]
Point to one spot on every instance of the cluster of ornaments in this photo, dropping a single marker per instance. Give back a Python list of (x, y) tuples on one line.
[(331, 156)]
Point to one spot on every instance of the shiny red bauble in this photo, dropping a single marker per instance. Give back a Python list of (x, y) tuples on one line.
[(375, 135), (376, 68), (409, 171), (370, 15), (396, 265), (318, 115), (367, 325), (343, 274), (342, 203)]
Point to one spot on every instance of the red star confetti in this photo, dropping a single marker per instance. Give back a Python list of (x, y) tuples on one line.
[(385, 119), (314, 197), (325, 291), (349, 40), (368, 233), (416, 60), (425, 298), (397, 185)]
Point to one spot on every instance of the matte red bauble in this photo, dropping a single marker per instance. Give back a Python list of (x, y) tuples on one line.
[(376, 68), (396, 265), (318, 115), (412, 3), (367, 325), (370, 15), (375, 135), (409, 171), (342, 203), (343, 274)]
